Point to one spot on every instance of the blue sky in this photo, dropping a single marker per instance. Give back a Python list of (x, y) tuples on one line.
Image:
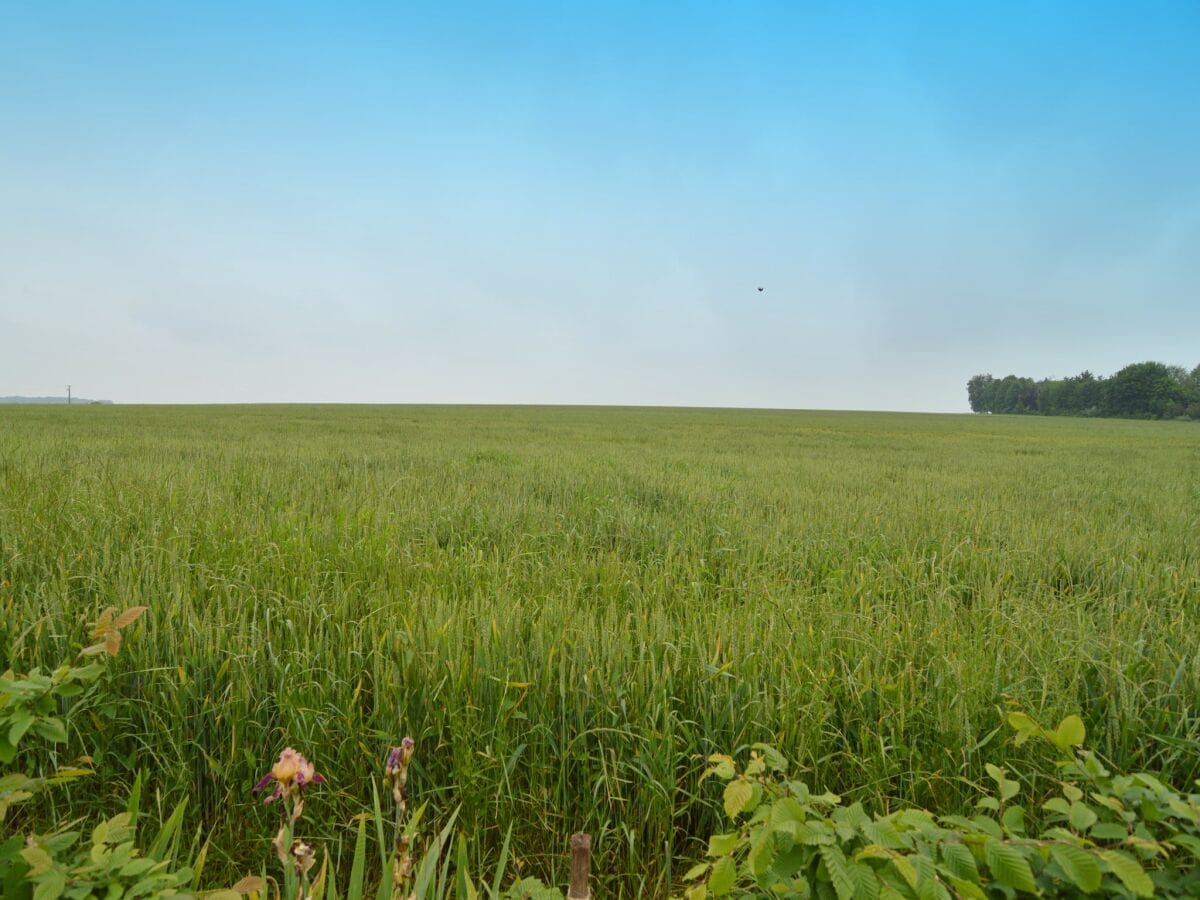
[(575, 203)]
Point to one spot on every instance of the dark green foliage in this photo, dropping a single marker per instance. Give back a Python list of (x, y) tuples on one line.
[(1148, 390), (1098, 833)]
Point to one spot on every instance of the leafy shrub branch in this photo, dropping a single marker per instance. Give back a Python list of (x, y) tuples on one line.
[(1101, 834)]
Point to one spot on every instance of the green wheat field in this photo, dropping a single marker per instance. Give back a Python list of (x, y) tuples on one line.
[(569, 608)]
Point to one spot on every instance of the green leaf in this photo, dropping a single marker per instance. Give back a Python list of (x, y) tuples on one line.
[(696, 871), (1070, 733), (762, 851), (52, 729), (866, 885), (19, 723), (722, 767), (737, 795), (906, 869), (839, 871), (1057, 805), (1078, 865), (137, 867), (787, 809), (884, 833), (722, 844), (773, 758), (1081, 816), (1009, 867), (1014, 819), (960, 861), (50, 887), (37, 859), (1129, 871), (724, 873), (1024, 726), (1108, 831), (1019, 721), (967, 889), (928, 885)]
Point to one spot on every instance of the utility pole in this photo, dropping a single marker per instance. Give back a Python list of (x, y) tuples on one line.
[(68, 395)]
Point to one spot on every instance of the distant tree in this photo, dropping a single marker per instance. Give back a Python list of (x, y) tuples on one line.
[(978, 393), (1053, 397), (1141, 390), (1089, 393), (1144, 389)]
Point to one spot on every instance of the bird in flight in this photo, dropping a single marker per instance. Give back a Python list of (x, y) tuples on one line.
[(760, 290)]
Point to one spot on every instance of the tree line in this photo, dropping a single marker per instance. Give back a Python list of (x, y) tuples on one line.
[(1146, 390)]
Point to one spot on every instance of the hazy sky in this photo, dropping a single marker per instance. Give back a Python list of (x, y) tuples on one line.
[(575, 202)]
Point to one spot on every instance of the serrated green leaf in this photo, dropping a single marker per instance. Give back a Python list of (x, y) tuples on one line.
[(37, 859), (1009, 867), (696, 871), (839, 871), (787, 809), (883, 832), (51, 887), (960, 861), (967, 889), (1129, 871), (1078, 865), (737, 794), (722, 767), (928, 886), (987, 826), (762, 851), (907, 870), (722, 877), (773, 758), (866, 885)]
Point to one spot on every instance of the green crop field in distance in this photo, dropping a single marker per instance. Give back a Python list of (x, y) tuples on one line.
[(568, 608)]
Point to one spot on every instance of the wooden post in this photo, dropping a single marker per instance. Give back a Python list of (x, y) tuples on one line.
[(581, 861)]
